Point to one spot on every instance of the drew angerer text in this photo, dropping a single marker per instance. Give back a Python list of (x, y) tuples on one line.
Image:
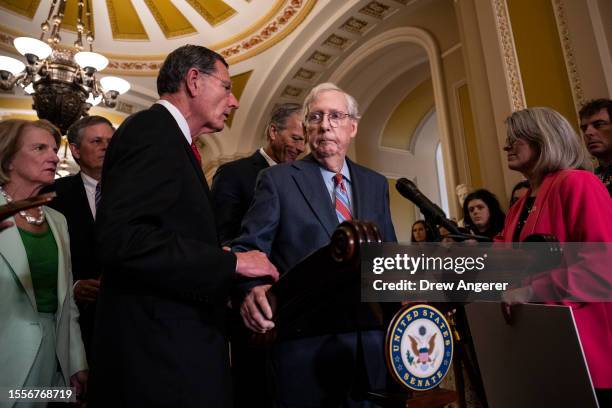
[(426, 285)]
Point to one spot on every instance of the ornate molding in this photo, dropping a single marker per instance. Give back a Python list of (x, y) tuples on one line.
[(568, 53), (270, 30), (511, 65)]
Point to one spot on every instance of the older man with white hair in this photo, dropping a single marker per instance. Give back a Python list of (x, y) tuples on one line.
[(338, 354)]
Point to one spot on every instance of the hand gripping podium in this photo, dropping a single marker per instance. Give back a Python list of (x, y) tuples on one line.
[(310, 285), (313, 284)]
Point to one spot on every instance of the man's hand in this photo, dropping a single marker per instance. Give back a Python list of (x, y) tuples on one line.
[(256, 311), (86, 290), (5, 224), (79, 382), (255, 264)]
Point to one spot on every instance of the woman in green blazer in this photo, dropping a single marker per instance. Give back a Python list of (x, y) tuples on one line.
[(40, 339)]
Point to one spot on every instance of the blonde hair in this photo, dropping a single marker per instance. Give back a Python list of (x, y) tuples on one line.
[(11, 131), (555, 140)]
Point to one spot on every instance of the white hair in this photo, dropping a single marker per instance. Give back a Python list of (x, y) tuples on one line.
[(351, 103)]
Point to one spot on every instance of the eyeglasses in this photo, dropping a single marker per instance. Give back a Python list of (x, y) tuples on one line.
[(226, 84), (597, 124), (335, 118)]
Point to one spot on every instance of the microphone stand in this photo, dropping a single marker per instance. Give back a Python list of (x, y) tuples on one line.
[(465, 355)]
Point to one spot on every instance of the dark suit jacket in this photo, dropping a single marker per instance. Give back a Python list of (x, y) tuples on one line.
[(72, 202), (338, 349), (232, 192), (160, 325), (292, 215)]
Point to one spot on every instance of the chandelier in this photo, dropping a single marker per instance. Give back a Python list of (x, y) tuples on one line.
[(62, 81)]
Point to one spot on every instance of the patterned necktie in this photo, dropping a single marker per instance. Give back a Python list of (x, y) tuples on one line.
[(98, 195), (196, 153), (342, 201)]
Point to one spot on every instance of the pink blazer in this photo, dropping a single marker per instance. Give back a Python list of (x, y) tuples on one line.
[(574, 206)]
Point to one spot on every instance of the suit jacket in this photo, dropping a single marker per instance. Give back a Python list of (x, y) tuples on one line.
[(292, 215), (574, 206), (20, 330), (160, 323), (232, 192), (72, 202)]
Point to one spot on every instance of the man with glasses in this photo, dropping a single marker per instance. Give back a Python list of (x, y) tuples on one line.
[(160, 336), (338, 354), (595, 123)]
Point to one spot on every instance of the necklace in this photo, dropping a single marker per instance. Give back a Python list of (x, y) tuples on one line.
[(28, 218)]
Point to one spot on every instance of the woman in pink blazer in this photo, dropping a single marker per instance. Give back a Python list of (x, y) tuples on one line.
[(569, 202)]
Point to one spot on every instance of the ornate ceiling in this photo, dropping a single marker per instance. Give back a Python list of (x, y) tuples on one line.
[(136, 35)]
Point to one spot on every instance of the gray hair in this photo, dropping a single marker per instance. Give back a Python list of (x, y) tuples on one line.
[(181, 60), (280, 116), (75, 131), (557, 144), (351, 103)]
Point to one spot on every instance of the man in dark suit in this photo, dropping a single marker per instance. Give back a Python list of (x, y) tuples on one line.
[(232, 192), (294, 212), (88, 139), (160, 336), (234, 182)]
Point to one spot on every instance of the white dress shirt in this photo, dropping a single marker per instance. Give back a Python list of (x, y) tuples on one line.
[(90, 184), (270, 160)]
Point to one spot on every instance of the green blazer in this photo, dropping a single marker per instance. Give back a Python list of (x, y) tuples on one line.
[(20, 331)]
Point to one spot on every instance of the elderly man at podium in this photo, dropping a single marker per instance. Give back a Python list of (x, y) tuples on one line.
[(338, 354)]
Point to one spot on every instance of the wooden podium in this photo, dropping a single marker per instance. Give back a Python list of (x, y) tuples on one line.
[(308, 287)]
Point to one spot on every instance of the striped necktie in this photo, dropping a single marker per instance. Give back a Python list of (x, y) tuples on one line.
[(196, 153), (98, 195), (343, 211)]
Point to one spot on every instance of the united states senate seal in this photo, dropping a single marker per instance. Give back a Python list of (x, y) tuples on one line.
[(419, 347)]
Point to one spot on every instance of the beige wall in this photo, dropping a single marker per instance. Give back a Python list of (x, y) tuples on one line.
[(408, 115)]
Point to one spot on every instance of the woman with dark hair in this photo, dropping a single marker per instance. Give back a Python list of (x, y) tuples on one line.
[(482, 214), (572, 204), (421, 232), (519, 190)]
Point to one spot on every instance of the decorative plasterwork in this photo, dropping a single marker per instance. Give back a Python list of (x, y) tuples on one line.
[(281, 26), (170, 20), (320, 58), (292, 91), (510, 59), (376, 10), (282, 19), (337, 41), (356, 26), (568, 53), (213, 11), (24, 7), (304, 74), (124, 21)]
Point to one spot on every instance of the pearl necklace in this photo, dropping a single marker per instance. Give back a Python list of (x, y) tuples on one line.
[(28, 218)]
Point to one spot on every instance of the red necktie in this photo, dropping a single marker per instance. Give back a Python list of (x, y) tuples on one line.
[(196, 153), (342, 201)]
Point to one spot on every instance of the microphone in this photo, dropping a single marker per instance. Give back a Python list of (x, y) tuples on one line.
[(429, 209)]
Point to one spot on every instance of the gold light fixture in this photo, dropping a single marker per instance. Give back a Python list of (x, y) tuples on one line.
[(62, 81)]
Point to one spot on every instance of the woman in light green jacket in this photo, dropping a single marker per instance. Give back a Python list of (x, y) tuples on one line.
[(40, 339)]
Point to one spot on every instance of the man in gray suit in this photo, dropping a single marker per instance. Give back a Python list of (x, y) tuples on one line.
[(294, 212)]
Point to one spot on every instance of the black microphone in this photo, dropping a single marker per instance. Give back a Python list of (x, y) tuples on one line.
[(429, 209)]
